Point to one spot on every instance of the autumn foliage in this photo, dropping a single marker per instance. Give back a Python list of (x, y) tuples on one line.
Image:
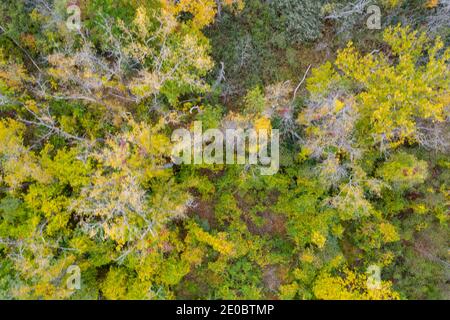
[(86, 177)]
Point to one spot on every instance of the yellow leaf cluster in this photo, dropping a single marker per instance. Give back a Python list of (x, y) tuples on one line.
[(351, 286)]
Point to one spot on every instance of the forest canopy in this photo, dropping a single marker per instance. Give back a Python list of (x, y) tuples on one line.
[(92, 205)]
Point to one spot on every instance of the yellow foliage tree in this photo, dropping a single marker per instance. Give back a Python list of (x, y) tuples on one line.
[(396, 94), (351, 286)]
